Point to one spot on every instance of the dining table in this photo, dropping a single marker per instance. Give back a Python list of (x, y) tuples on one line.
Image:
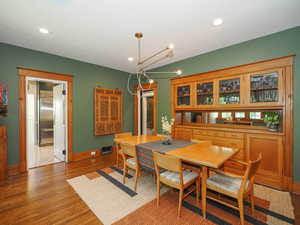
[(203, 154)]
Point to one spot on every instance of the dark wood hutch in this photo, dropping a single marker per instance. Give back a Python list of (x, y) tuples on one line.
[(227, 106)]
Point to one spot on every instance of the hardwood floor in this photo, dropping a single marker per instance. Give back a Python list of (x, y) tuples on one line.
[(43, 196)]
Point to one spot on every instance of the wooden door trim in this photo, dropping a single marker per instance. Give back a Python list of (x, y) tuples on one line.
[(153, 87), (23, 74)]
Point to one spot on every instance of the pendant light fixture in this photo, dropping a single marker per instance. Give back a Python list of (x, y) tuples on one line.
[(141, 76)]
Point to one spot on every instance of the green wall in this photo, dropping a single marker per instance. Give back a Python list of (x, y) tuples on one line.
[(86, 77), (276, 45)]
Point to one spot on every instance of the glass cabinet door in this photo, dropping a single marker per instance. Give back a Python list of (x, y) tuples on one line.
[(264, 87), (205, 94), (183, 95), (229, 91)]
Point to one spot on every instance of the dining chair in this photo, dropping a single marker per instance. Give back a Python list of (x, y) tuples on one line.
[(118, 148), (169, 171), (235, 186), (130, 161)]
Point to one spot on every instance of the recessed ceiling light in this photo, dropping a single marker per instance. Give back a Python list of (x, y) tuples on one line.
[(44, 31), (171, 46), (130, 59), (217, 22)]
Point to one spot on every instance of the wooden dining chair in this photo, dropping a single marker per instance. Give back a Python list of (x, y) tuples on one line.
[(118, 148), (130, 161), (235, 186), (174, 176)]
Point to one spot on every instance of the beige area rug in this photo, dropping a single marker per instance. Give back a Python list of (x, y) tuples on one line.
[(108, 202), (115, 203)]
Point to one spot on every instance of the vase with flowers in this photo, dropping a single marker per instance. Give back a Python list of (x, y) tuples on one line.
[(167, 129)]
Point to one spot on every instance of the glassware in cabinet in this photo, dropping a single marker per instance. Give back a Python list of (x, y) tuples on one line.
[(229, 91), (183, 95), (205, 93), (264, 87)]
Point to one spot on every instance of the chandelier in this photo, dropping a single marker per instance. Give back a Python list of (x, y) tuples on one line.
[(141, 76)]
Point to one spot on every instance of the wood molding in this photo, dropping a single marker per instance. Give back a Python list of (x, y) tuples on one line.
[(237, 70), (23, 73), (13, 170), (86, 155), (153, 87), (44, 74), (296, 188)]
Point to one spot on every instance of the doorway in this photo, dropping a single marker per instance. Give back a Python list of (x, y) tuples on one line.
[(146, 110), (46, 121), (59, 82)]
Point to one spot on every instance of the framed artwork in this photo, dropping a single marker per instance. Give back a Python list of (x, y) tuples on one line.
[(3, 94)]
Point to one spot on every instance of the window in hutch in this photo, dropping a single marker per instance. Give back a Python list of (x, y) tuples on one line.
[(239, 115), (227, 115), (264, 88), (213, 117), (229, 91), (183, 95), (205, 93), (255, 116)]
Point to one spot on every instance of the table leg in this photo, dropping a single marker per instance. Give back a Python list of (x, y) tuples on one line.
[(204, 178)]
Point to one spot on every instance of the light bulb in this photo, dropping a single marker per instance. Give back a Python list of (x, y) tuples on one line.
[(130, 59), (217, 22), (179, 72), (151, 81), (171, 46), (44, 31)]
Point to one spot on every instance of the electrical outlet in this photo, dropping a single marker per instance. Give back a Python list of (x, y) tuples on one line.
[(93, 153)]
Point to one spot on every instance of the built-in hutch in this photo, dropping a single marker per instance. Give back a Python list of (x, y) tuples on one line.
[(228, 107)]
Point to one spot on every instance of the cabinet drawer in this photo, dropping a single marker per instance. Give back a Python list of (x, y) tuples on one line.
[(216, 133), (200, 132), (232, 143), (183, 134), (234, 135)]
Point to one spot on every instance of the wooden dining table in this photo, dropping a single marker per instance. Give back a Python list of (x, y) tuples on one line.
[(201, 154)]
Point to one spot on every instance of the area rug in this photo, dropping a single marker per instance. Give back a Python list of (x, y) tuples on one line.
[(118, 204)]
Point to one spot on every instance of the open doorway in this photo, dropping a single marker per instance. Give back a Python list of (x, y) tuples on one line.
[(46, 121), (146, 110)]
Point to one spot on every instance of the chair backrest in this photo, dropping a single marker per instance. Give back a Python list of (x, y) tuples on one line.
[(128, 149), (249, 174), (120, 135), (253, 167), (167, 162)]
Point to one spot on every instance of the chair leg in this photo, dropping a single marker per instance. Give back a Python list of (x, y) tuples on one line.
[(180, 202), (117, 163), (137, 173), (241, 208), (157, 191), (252, 201), (197, 191), (125, 171)]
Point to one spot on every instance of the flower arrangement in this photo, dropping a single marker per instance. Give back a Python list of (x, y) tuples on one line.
[(166, 124)]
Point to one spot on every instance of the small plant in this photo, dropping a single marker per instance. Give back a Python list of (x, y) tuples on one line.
[(272, 120)]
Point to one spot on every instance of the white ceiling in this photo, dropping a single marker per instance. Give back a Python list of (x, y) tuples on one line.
[(102, 31)]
